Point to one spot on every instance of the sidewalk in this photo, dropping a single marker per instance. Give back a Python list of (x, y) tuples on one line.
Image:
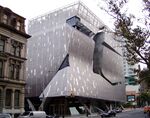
[(131, 109)]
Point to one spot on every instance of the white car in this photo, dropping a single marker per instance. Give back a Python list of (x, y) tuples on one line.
[(33, 114), (5, 116)]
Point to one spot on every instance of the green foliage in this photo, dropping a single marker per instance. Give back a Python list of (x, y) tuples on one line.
[(136, 39), (144, 97), (144, 76)]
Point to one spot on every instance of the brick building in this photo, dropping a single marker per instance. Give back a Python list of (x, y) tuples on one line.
[(13, 40)]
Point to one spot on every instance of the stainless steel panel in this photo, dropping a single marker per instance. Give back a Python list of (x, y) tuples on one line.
[(52, 39)]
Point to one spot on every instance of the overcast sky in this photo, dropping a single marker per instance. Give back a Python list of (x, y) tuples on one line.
[(32, 8)]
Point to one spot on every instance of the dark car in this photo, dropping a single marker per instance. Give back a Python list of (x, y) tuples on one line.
[(50, 116), (112, 113), (118, 110), (5, 116), (104, 114)]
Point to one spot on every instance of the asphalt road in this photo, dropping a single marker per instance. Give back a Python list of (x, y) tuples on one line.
[(134, 113)]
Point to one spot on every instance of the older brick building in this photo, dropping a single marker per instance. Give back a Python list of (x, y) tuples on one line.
[(13, 39)]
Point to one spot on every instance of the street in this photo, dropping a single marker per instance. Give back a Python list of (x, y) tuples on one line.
[(134, 113)]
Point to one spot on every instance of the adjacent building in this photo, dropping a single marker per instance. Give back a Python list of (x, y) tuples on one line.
[(131, 77), (73, 60), (13, 39)]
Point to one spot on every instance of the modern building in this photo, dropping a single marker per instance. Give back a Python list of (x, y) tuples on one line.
[(129, 70), (132, 93), (131, 77), (73, 60), (13, 39)]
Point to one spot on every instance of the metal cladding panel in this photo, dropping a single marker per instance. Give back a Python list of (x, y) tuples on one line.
[(84, 81), (111, 63), (80, 79), (47, 49), (59, 85), (112, 67), (52, 39), (45, 58)]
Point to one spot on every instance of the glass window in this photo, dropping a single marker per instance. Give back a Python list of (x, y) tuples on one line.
[(16, 48), (18, 51), (73, 20), (13, 50), (18, 25), (1, 68), (17, 72), (8, 97), (2, 43), (5, 18), (12, 71), (16, 100)]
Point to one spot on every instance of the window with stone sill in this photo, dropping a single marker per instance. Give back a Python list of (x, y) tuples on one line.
[(13, 22), (8, 98), (2, 43), (18, 25), (5, 19), (17, 72), (16, 48), (1, 68), (16, 51), (17, 98), (14, 70)]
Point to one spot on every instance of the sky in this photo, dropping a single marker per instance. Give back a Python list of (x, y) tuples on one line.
[(33, 8)]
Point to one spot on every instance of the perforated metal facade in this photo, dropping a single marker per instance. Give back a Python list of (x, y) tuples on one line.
[(53, 39)]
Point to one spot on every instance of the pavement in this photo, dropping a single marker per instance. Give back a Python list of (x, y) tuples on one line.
[(132, 113), (132, 109)]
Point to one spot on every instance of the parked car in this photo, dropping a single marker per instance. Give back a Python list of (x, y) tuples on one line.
[(104, 114), (112, 113), (33, 114), (50, 116), (118, 110), (5, 116)]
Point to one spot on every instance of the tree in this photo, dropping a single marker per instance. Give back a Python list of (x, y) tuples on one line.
[(144, 75), (145, 98), (136, 38)]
